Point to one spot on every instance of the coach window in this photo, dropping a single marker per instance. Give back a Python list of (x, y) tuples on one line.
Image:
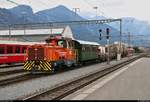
[(94, 49), (17, 50), (9, 49), (1, 50), (24, 50), (106, 50)]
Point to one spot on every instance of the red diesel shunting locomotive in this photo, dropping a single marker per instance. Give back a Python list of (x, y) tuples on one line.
[(47, 57)]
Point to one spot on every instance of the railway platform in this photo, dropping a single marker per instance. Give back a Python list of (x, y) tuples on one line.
[(128, 83)]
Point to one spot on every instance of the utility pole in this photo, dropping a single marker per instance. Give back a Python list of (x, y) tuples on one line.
[(24, 13), (9, 26), (129, 39), (129, 47), (108, 43), (76, 10), (120, 43)]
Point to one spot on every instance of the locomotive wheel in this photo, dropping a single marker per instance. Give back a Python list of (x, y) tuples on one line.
[(53, 71)]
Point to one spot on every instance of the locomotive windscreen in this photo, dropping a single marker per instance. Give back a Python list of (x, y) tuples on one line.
[(36, 54)]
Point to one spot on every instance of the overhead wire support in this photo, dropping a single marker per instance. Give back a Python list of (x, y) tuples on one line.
[(12, 2), (76, 10), (62, 23)]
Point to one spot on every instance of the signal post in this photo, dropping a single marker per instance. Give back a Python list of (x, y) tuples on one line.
[(108, 42)]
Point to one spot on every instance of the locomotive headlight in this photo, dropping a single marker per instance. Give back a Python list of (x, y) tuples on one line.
[(70, 52)]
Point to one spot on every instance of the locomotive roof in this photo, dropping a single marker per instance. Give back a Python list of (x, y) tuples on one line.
[(87, 42), (19, 42)]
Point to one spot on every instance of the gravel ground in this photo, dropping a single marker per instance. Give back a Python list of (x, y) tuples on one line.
[(12, 75), (10, 69), (31, 86)]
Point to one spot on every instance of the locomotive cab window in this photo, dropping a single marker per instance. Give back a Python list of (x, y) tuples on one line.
[(61, 43)]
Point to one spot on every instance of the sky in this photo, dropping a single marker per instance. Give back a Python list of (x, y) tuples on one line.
[(138, 9)]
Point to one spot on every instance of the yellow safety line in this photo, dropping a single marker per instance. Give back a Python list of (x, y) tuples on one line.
[(26, 63), (29, 67), (43, 66), (47, 66), (39, 67), (50, 66), (46, 69), (25, 67)]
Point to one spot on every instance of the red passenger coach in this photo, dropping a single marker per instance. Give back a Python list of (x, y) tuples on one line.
[(13, 51)]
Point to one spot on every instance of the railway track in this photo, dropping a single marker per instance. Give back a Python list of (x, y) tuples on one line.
[(8, 72), (14, 79), (60, 91), (10, 66), (18, 75), (148, 56), (27, 76), (19, 78)]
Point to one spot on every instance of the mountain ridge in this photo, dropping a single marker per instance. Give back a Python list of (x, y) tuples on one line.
[(24, 14)]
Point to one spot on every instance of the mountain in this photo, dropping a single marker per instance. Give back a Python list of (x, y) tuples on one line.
[(24, 14), (138, 29), (5, 16), (59, 13), (134, 26)]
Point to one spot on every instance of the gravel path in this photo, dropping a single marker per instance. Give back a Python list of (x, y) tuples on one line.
[(31, 86)]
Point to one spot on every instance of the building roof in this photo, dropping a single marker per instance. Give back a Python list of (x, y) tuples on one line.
[(19, 42), (87, 42), (33, 31)]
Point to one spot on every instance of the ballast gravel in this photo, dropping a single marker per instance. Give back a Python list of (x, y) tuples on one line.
[(18, 90)]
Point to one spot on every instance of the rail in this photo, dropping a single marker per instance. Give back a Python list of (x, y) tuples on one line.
[(60, 91)]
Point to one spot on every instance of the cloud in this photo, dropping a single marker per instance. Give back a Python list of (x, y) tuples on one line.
[(114, 3)]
